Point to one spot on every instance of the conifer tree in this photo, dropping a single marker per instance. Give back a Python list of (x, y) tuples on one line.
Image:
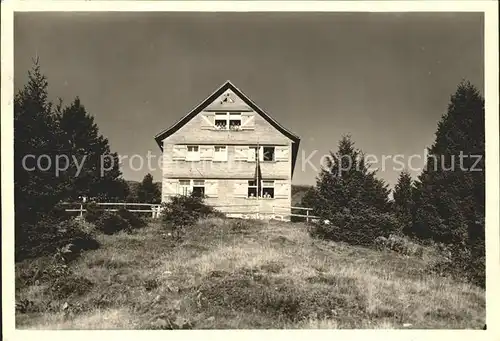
[(450, 193), (84, 143), (36, 145), (451, 190), (346, 184), (403, 200), (148, 191)]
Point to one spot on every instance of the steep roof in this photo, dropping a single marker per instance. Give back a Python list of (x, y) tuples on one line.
[(247, 104), (203, 105)]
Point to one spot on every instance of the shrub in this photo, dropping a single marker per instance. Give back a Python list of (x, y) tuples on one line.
[(93, 212), (399, 244), (184, 211), (356, 229), (110, 223), (134, 220), (48, 235)]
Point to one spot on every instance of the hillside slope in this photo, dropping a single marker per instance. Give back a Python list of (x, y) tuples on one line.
[(246, 274)]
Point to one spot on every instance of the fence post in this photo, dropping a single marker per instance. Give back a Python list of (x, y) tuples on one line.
[(153, 209), (307, 215), (81, 210)]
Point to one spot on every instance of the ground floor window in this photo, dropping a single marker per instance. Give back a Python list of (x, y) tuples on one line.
[(268, 188), (252, 189), (199, 188), (194, 187)]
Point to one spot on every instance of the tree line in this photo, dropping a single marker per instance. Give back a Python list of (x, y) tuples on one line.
[(445, 204), (45, 134)]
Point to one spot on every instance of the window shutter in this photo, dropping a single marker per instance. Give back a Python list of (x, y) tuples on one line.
[(251, 155), (207, 121), (211, 188), (261, 154), (241, 188), (206, 152), (248, 121), (241, 153), (281, 189), (179, 152), (170, 187), (281, 153)]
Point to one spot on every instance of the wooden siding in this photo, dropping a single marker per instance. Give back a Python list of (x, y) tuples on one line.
[(227, 174), (226, 196)]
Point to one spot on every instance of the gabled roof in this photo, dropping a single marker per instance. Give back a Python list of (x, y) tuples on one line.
[(226, 86)]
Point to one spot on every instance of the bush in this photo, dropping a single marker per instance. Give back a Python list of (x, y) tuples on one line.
[(48, 235), (134, 220), (399, 244), (110, 223), (93, 212), (356, 229), (184, 211)]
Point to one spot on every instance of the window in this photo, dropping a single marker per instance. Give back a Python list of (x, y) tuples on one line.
[(252, 189), (199, 188), (268, 154), (184, 187), (226, 120), (234, 121), (194, 187), (221, 121), (268, 188), (193, 153), (220, 153)]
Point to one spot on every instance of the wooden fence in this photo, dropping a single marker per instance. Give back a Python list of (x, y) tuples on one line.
[(231, 210), (154, 209)]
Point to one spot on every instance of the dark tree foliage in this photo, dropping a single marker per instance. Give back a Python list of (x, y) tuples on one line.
[(36, 136), (346, 184), (45, 139), (403, 200), (100, 176), (349, 196), (148, 191), (450, 193)]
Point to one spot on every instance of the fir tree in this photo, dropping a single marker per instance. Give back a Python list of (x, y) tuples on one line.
[(450, 193), (84, 143), (451, 190), (36, 138), (147, 191), (403, 200), (346, 184)]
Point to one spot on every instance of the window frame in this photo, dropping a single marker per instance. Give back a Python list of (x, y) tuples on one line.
[(264, 154), (252, 187), (216, 154), (262, 187), (227, 120), (190, 154), (187, 186)]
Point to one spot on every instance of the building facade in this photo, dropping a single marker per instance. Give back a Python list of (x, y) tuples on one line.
[(232, 152)]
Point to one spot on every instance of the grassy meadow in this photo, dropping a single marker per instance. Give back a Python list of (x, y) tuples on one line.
[(229, 273)]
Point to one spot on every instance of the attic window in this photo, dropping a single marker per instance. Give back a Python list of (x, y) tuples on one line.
[(221, 120), (226, 120)]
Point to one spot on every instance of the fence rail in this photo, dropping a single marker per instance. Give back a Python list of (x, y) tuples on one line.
[(278, 212), (154, 208)]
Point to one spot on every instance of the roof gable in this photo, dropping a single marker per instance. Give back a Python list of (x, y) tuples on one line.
[(226, 98)]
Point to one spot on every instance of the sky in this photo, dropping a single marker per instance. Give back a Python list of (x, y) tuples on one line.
[(384, 78)]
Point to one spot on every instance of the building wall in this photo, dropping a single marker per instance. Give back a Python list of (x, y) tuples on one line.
[(198, 132), (228, 202)]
